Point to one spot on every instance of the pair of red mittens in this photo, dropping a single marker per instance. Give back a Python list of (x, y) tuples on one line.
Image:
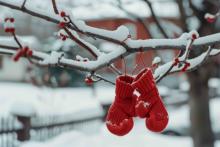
[(127, 105), (149, 104)]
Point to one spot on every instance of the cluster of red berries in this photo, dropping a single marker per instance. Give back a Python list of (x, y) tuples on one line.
[(186, 66), (9, 25), (62, 24), (176, 62), (26, 51)]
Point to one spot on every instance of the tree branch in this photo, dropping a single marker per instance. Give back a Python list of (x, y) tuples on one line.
[(183, 16), (156, 19), (55, 7), (120, 36)]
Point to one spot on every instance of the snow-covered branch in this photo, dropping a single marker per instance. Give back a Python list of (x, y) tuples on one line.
[(111, 36), (71, 28)]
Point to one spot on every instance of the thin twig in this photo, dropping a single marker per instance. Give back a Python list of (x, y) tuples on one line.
[(156, 19), (80, 43), (113, 68), (55, 7), (17, 41), (103, 79), (23, 5)]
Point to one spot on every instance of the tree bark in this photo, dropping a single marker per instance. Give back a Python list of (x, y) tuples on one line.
[(201, 130), (199, 108)]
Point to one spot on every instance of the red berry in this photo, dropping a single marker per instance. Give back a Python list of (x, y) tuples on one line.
[(62, 14), (210, 20), (88, 81), (16, 58), (185, 67), (6, 19), (194, 36), (64, 38), (12, 20), (62, 24), (18, 55), (29, 53), (7, 30), (155, 65), (176, 61), (25, 49), (12, 30), (188, 64)]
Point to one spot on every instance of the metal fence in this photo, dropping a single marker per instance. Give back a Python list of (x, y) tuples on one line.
[(15, 129)]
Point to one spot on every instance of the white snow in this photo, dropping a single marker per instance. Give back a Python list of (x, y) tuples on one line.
[(22, 108), (31, 41), (184, 86), (107, 10), (180, 119), (101, 61), (78, 102), (52, 59), (139, 136), (214, 83), (156, 60), (120, 34)]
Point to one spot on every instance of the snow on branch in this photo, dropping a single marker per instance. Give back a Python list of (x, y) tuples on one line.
[(110, 35), (70, 28)]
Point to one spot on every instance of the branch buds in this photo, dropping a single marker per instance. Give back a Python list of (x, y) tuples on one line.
[(23, 52), (9, 25), (210, 18), (89, 81)]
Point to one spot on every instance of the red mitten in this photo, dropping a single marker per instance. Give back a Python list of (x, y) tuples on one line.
[(149, 103), (119, 118)]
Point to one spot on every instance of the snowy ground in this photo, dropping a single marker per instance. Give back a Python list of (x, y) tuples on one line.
[(139, 137), (179, 120), (47, 101), (83, 102)]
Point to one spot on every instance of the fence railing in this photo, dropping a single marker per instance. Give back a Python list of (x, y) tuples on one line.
[(15, 129)]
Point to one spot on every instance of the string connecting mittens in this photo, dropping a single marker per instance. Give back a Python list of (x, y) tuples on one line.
[(119, 120), (149, 104)]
